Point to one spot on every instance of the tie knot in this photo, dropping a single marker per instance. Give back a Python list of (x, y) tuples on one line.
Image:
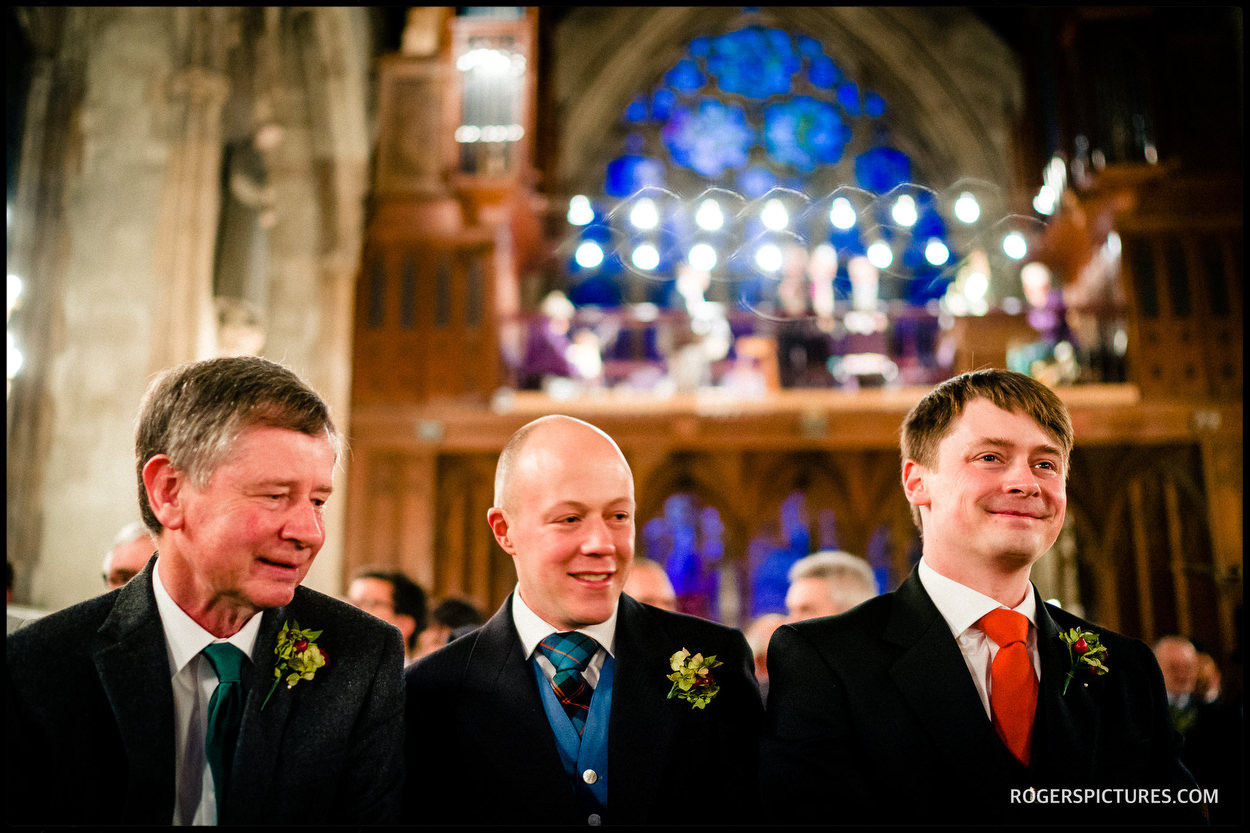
[(1004, 626), (569, 651), (227, 661)]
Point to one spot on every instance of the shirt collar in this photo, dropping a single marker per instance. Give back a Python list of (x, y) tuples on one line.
[(533, 629), (961, 606), (184, 637)]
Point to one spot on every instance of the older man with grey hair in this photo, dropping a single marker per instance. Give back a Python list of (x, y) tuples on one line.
[(828, 582)]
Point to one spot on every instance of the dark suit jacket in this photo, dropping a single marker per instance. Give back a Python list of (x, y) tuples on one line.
[(480, 748), (873, 717), (90, 720)]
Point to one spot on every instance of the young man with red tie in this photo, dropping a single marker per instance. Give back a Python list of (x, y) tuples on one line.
[(962, 697)]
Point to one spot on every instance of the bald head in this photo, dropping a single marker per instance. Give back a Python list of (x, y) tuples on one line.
[(544, 435), (1178, 660), (564, 511)]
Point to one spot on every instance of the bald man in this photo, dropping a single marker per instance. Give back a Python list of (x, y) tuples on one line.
[(501, 732)]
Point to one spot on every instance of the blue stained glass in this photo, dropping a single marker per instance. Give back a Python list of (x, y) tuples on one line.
[(874, 105), (756, 182), (636, 111), (823, 72), (685, 77), (810, 47), (804, 132), (709, 138), (880, 169), (848, 97), (753, 62), (928, 224), (662, 104), (630, 173)]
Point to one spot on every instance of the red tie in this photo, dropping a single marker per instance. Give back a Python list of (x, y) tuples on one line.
[(1013, 686)]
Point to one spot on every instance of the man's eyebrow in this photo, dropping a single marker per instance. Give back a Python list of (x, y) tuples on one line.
[(1000, 442)]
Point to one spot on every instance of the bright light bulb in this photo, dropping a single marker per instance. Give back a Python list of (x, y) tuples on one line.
[(904, 211), (935, 252), (842, 214), (975, 286), (709, 216), (774, 215), (879, 254), (967, 209), (702, 257), (588, 255), (1015, 246), (646, 257), (768, 257), (644, 214), (580, 211), (1044, 202)]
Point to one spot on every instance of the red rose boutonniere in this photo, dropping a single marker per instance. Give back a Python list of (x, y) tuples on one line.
[(1086, 653), (298, 657)]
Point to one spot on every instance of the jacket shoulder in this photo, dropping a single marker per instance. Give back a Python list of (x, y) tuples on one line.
[(62, 631)]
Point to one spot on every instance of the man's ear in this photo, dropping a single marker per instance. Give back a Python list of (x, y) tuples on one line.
[(499, 526), (915, 487), (166, 487)]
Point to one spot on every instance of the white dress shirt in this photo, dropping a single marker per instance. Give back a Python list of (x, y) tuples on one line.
[(533, 629), (961, 607), (193, 681)]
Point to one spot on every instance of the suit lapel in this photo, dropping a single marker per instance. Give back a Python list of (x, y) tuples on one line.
[(1072, 720), (260, 736), (504, 713), (933, 678), (639, 708), (133, 667)]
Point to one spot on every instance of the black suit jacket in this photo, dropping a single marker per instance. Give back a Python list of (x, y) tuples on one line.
[(481, 751), (873, 717), (90, 720)]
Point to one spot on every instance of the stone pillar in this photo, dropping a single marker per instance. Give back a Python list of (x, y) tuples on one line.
[(183, 328)]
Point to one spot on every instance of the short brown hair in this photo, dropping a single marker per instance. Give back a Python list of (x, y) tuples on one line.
[(932, 418), (195, 412)]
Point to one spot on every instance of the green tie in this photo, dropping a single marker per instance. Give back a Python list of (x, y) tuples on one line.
[(225, 713)]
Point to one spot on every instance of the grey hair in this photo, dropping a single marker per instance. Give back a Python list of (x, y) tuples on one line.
[(194, 413), (849, 577)]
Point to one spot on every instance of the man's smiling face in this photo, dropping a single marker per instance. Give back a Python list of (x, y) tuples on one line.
[(568, 523), (996, 496)]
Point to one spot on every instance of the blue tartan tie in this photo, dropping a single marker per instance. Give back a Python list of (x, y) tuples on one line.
[(570, 653), (225, 714)]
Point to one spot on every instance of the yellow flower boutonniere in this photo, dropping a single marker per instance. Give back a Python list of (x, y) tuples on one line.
[(298, 657), (692, 678), (1084, 651)]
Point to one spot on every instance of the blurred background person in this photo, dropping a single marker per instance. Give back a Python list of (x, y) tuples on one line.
[(451, 618), (1211, 730), (1207, 686), (828, 582), (130, 552), (758, 634), (650, 584), (1178, 660), (392, 597)]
